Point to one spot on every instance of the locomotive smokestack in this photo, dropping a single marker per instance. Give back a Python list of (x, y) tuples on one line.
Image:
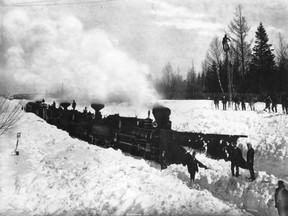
[(65, 105), (161, 115), (97, 108)]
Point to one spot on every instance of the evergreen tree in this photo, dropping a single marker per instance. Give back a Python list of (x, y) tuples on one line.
[(262, 64)]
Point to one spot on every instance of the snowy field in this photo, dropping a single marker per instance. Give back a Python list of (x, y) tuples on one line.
[(58, 175)]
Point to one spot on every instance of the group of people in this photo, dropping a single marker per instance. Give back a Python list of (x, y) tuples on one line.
[(235, 157), (272, 101), (237, 161), (240, 102)]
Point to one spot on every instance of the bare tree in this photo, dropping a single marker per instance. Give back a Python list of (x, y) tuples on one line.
[(9, 114), (282, 49), (191, 78), (214, 56), (282, 62), (170, 83), (167, 73), (239, 28)]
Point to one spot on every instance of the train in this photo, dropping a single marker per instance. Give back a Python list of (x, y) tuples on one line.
[(143, 137)]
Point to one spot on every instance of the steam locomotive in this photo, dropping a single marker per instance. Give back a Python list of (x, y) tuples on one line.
[(142, 137)]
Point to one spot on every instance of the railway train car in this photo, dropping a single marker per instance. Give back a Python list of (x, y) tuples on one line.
[(142, 137)]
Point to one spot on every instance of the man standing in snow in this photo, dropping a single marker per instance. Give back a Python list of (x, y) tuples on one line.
[(192, 164), (243, 105), (235, 157), (73, 104), (281, 199), (224, 102), (268, 102), (216, 102), (163, 160), (274, 103), (250, 161)]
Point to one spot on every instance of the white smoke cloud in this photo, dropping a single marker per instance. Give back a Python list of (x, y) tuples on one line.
[(42, 52)]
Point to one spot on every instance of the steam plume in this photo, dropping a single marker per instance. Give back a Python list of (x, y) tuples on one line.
[(42, 52)]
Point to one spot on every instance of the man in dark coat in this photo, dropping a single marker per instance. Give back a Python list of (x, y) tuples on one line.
[(73, 104), (163, 160), (268, 102), (216, 101), (225, 43), (281, 199), (250, 161), (284, 102), (236, 159), (237, 102), (243, 105), (192, 164), (224, 102), (274, 103)]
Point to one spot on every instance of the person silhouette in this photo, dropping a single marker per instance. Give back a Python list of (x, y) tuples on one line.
[(73, 104), (281, 199), (225, 43)]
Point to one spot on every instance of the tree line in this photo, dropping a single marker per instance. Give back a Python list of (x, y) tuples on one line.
[(253, 70)]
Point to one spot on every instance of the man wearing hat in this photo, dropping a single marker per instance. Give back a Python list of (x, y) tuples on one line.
[(192, 164), (236, 158), (281, 199), (250, 161)]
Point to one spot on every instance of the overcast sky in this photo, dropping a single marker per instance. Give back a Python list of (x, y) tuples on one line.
[(159, 31), (142, 35)]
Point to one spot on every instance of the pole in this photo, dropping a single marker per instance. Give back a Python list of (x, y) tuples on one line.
[(228, 79), (226, 50), (16, 152)]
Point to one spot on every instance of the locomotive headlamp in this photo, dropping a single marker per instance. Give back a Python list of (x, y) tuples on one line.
[(154, 124)]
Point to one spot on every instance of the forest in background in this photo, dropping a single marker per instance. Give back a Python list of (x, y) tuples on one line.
[(254, 66)]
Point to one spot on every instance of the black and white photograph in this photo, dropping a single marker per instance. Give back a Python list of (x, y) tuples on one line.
[(143, 108)]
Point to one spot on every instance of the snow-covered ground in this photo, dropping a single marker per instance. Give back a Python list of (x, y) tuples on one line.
[(58, 175)]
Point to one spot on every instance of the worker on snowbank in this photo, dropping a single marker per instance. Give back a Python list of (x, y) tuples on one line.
[(281, 199), (192, 164), (236, 159), (74, 105), (250, 161)]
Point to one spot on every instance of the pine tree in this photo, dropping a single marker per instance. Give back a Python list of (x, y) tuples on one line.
[(263, 63)]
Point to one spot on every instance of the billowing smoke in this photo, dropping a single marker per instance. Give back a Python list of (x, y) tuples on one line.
[(42, 53)]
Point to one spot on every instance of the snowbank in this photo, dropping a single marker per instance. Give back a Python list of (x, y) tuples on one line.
[(256, 197), (58, 175), (267, 131)]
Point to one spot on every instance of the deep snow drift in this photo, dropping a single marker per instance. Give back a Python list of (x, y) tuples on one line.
[(56, 174)]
